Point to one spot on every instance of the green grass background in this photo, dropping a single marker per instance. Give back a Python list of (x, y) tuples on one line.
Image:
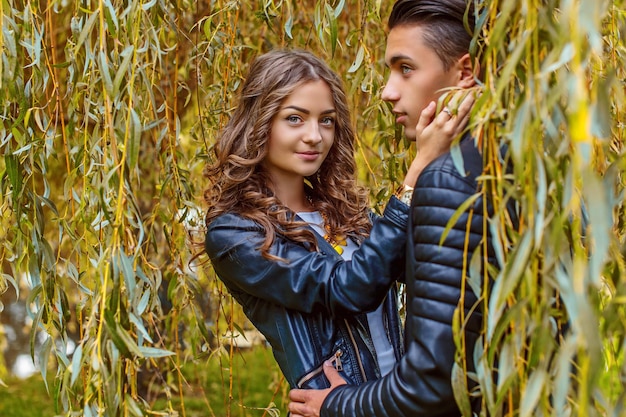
[(256, 383)]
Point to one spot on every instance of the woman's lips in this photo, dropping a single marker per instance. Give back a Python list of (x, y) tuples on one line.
[(308, 156)]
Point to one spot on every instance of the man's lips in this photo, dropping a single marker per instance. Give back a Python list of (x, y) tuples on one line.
[(401, 118)]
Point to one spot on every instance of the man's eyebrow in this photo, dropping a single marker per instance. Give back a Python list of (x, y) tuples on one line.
[(394, 59), (305, 111)]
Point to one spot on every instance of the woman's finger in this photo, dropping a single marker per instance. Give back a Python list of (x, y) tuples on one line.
[(466, 104), (426, 117)]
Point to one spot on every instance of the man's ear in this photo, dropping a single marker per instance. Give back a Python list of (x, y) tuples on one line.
[(468, 71)]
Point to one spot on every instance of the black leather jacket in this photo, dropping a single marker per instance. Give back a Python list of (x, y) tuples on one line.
[(309, 308), (420, 384)]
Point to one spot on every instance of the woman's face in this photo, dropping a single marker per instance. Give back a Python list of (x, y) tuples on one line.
[(302, 133)]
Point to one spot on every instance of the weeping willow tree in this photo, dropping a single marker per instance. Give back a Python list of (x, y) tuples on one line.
[(108, 113), (553, 335)]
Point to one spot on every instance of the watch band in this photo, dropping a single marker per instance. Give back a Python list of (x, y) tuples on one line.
[(404, 193)]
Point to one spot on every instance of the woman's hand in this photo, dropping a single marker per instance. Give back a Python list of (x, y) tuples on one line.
[(435, 132)]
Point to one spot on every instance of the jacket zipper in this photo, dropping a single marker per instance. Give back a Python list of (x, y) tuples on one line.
[(356, 349), (335, 360)]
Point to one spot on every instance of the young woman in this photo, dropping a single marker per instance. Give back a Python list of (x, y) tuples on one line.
[(290, 233)]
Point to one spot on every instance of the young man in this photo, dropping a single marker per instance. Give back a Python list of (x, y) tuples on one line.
[(427, 52)]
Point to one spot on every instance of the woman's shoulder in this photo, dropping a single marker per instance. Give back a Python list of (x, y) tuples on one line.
[(231, 229), (232, 220)]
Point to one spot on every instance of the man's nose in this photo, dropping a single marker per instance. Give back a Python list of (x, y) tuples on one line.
[(390, 93)]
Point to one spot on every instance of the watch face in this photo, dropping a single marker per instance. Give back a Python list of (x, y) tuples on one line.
[(404, 194), (406, 197)]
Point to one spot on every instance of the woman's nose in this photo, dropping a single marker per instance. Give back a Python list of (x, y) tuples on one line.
[(313, 134)]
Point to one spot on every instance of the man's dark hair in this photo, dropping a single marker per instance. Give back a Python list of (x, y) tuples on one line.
[(447, 24)]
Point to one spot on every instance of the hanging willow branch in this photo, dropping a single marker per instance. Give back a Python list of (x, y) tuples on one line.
[(108, 113)]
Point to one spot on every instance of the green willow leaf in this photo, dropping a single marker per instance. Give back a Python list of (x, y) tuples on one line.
[(506, 368), (86, 30), (457, 158), (134, 139), (65, 311), (289, 26), (48, 203), (110, 17), (120, 337), (601, 121), (542, 196), (459, 385), (77, 364), (14, 172), (199, 322), (334, 30), (9, 278), (125, 265), (474, 277), (104, 71), (565, 372), (567, 53), (600, 216), (497, 336), (127, 56), (462, 210), (358, 60), (43, 356), (538, 379), (148, 5), (484, 374), (150, 352), (339, 8), (140, 328), (88, 411), (133, 407), (143, 302), (512, 274)]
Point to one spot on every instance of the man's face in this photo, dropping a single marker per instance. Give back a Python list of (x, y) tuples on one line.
[(416, 76)]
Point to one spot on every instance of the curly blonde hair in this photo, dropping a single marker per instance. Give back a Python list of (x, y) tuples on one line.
[(237, 180)]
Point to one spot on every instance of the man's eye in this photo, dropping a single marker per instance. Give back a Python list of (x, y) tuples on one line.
[(405, 69)]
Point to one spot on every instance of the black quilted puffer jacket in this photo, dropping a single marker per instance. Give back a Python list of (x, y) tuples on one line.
[(420, 385), (309, 307)]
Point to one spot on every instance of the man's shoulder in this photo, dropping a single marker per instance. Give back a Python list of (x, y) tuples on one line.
[(466, 163)]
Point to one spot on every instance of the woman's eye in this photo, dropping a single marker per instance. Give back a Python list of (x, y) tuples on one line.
[(293, 119), (328, 121), (405, 69)]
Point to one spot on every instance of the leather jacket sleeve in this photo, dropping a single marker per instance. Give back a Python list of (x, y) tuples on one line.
[(310, 281), (420, 384)]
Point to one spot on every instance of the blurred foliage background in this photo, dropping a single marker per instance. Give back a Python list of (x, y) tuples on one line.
[(108, 112)]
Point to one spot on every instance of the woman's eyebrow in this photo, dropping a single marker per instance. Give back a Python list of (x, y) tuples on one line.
[(305, 111)]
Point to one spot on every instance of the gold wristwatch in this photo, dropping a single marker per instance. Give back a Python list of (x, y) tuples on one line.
[(404, 193)]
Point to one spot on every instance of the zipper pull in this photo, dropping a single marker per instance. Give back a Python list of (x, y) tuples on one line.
[(337, 360)]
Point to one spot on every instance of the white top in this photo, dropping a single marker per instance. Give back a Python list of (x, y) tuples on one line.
[(384, 350)]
